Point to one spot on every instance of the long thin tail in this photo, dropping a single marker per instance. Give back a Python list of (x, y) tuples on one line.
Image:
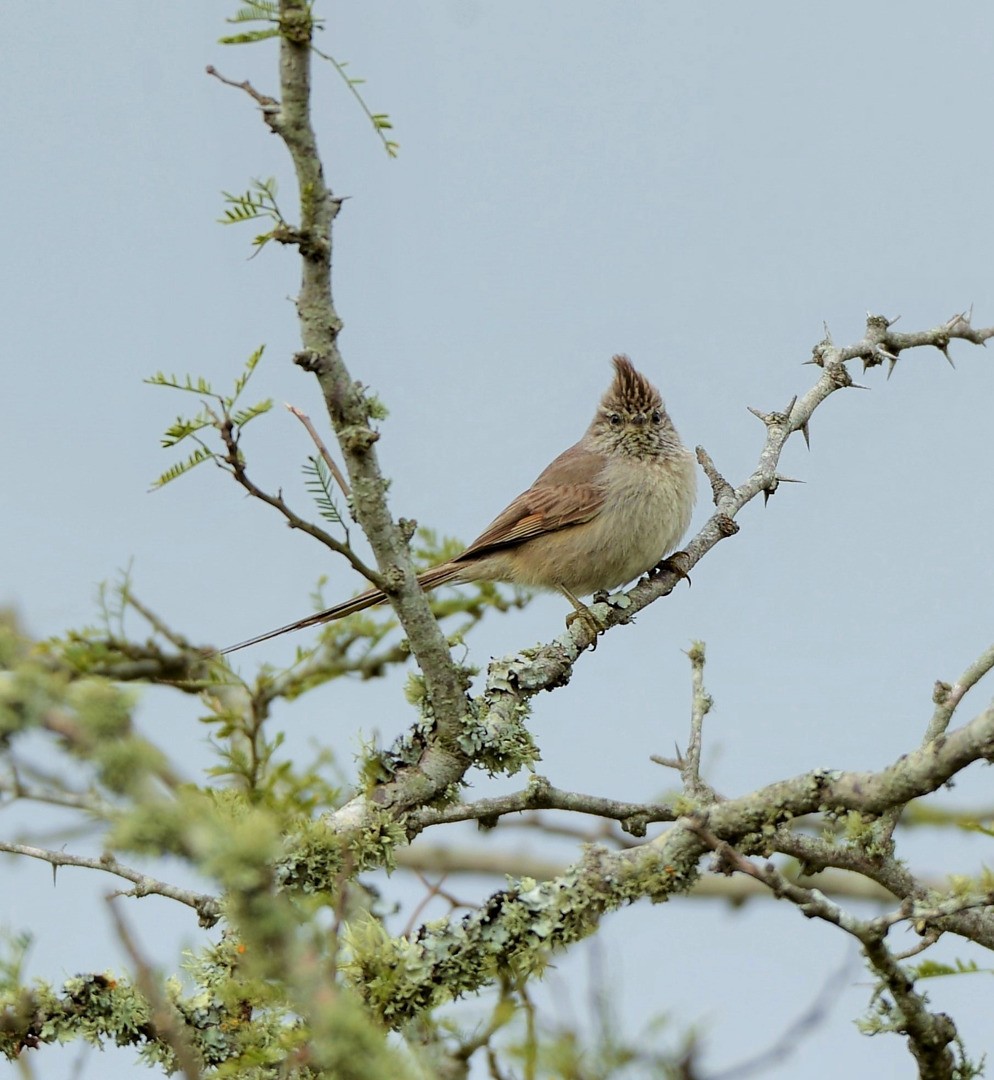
[(429, 579)]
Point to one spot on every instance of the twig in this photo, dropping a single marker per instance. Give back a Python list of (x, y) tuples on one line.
[(541, 795), (166, 1020), (478, 859), (206, 906), (264, 101), (720, 487), (929, 1034), (947, 698), (701, 704), (333, 468), (156, 622)]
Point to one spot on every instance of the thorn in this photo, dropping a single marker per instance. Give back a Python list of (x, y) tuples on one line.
[(858, 386), (892, 321), (944, 349), (760, 415), (790, 406), (806, 432), (789, 479), (891, 365)]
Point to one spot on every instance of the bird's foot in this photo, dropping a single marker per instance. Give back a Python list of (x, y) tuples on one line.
[(585, 615), (590, 621)]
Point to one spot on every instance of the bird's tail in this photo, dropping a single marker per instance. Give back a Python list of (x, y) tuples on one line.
[(428, 579)]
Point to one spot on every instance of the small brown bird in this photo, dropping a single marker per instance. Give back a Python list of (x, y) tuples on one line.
[(604, 512)]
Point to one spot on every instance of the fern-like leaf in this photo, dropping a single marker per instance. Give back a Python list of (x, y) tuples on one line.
[(256, 10), (243, 416), (200, 455), (250, 365), (933, 969), (320, 486), (380, 121), (198, 386), (248, 37), (183, 429)]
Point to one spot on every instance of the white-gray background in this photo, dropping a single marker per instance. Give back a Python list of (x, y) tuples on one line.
[(700, 186)]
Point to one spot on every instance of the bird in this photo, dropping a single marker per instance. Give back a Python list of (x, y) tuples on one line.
[(604, 512)]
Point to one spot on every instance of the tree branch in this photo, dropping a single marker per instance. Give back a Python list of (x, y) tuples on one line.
[(449, 959), (207, 907)]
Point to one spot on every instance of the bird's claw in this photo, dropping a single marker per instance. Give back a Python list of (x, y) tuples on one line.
[(589, 620)]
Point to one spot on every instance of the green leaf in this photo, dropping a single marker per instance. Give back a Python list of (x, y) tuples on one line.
[(317, 480), (380, 121), (248, 37), (183, 428), (198, 456), (932, 969), (243, 416), (201, 386), (250, 365), (256, 10)]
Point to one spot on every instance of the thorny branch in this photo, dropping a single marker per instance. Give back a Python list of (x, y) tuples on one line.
[(441, 760), (206, 906), (512, 682)]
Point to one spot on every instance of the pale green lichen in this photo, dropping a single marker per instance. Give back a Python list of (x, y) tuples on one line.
[(513, 932)]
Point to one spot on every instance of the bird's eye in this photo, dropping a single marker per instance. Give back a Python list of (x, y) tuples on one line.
[(657, 416), (615, 419)]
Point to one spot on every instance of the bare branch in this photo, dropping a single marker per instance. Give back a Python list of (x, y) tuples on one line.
[(947, 697), (333, 468), (206, 907), (700, 706), (541, 795)]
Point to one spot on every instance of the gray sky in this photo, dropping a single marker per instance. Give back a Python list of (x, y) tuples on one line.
[(701, 186)]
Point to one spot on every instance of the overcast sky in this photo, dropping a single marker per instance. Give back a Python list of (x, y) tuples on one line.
[(703, 186)]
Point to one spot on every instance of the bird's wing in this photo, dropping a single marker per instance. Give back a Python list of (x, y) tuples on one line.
[(567, 493)]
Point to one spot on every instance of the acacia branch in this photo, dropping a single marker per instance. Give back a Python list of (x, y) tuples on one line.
[(947, 698), (441, 760)]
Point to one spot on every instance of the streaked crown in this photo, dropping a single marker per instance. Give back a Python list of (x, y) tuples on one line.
[(631, 419)]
